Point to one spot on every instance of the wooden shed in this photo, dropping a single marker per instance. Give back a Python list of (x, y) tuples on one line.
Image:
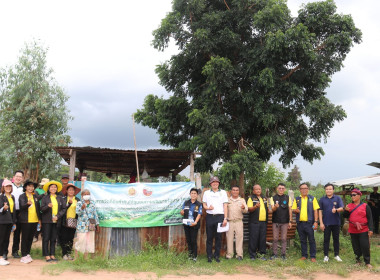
[(122, 241)]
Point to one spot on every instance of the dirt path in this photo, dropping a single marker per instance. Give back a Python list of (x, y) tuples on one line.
[(33, 271)]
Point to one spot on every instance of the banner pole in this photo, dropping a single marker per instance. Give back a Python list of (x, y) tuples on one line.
[(137, 160)]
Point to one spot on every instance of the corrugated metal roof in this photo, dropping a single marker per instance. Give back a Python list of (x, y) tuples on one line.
[(365, 181), (156, 161)]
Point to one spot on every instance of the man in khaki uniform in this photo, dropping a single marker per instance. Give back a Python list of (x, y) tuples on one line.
[(236, 207)]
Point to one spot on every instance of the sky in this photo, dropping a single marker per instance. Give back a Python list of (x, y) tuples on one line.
[(102, 56)]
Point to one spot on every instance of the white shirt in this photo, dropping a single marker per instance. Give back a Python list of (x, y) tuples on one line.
[(216, 199), (17, 191)]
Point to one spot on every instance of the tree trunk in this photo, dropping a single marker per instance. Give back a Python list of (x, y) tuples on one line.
[(241, 184)]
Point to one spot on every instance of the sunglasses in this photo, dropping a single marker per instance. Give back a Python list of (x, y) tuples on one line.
[(354, 194)]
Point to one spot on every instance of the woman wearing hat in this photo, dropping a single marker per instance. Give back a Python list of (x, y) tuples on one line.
[(52, 208), (29, 217), (7, 218), (360, 226), (69, 220)]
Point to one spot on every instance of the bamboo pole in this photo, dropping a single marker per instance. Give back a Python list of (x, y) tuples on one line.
[(137, 160)]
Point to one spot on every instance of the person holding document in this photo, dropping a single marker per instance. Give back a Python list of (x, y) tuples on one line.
[(192, 212), (236, 208), (215, 202)]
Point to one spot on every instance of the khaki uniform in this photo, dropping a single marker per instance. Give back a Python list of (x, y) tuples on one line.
[(235, 220)]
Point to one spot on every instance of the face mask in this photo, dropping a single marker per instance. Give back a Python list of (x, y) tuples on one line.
[(87, 197)]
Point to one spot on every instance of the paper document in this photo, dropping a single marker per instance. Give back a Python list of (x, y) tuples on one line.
[(187, 221), (223, 229)]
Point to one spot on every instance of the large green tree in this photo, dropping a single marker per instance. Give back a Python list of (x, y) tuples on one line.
[(248, 75), (33, 114)]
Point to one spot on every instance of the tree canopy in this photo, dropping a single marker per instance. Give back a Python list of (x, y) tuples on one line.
[(33, 115), (248, 72)]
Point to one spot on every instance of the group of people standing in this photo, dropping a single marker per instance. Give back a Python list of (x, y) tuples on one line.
[(51, 208), (223, 211)]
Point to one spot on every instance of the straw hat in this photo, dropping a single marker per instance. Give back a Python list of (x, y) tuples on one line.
[(48, 184), (44, 181), (76, 189)]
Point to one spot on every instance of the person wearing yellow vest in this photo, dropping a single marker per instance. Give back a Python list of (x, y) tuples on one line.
[(258, 217), (52, 210), (7, 218), (67, 230), (306, 209), (28, 218)]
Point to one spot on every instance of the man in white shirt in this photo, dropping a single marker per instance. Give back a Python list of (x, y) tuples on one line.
[(18, 179), (215, 203)]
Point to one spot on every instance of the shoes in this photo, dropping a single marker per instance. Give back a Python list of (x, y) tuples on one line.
[(273, 257), (326, 259), (5, 257), (54, 260), (240, 258), (3, 262), (303, 259), (16, 255), (368, 265), (25, 260), (49, 260), (252, 258), (283, 257), (66, 257), (338, 259), (194, 259), (217, 260), (263, 258), (29, 258), (313, 260), (209, 260)]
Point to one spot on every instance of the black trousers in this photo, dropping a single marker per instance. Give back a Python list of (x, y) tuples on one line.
[(211, 232), (334, 230), (49, 238), (16, 236), (257, 239), (306, 233), (66, 239), (27, 231), (360, 245), (5, 233), (191, 234), (375, 219)]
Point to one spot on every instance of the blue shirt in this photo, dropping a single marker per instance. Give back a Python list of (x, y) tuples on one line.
[(326, 205), (191, 210)]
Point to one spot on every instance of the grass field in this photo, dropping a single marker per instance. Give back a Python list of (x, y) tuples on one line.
[(162, 261)]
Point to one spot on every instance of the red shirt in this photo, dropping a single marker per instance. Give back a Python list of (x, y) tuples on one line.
[(358, 216)]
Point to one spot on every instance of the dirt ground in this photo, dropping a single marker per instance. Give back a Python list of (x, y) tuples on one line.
[(34, 271)]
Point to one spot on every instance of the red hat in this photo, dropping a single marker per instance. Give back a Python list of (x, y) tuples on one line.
[(357, 192)]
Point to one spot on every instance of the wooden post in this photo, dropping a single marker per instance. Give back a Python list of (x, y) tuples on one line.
[(198, 180), (137, 159), (73, 158), (192, 167)]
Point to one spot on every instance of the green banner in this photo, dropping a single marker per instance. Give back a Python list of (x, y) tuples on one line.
[(139, 204)]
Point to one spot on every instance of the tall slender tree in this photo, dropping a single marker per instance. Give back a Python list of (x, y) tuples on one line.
[(248, 75), (33, 114)]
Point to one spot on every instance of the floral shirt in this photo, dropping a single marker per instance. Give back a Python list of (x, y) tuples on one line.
[(84, 215)]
